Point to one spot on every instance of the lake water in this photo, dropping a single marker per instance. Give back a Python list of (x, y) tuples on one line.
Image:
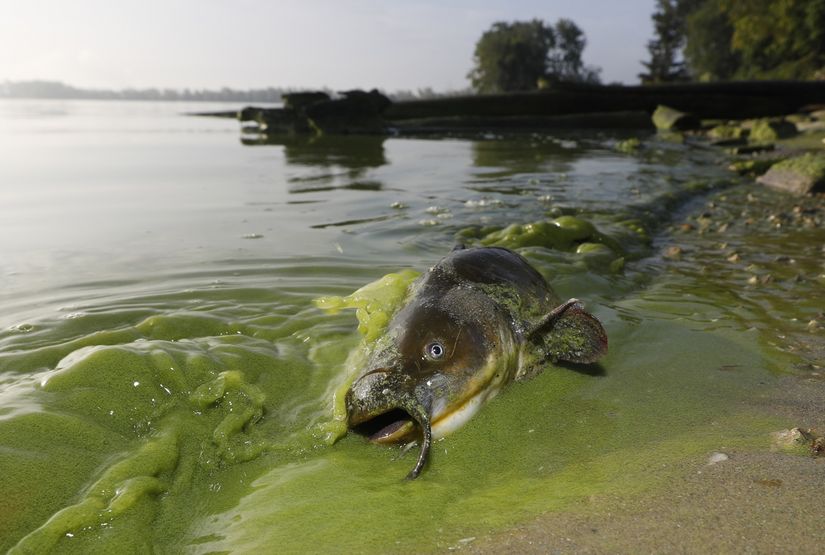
[(166, 381)]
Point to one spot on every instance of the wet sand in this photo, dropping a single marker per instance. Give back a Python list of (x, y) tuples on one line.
[(754, 502)]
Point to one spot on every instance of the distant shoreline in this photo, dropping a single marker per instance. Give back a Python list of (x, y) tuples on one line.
[(56, 90)]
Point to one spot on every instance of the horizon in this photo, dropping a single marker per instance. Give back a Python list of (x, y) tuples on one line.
[(314, 44)]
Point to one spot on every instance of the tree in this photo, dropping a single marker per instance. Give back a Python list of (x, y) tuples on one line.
[(564, 61), (737, 39), (669, 28), (778, 39), (511, 56), (515, 56), (708, 50)]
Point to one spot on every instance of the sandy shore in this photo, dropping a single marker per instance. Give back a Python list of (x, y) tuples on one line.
[(753, 502)]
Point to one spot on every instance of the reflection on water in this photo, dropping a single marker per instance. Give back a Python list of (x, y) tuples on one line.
[(359, 152), (149, 346), (334, 162)]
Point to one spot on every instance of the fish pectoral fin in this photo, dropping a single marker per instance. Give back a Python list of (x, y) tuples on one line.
[(571, 334)]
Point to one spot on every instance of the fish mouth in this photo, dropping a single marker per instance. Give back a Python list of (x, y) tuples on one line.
[(392, 426), (386, 408)]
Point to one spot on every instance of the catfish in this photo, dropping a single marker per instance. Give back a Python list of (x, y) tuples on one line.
[(476, 321)]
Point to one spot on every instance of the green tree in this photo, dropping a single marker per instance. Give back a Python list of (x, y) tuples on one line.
[(778, 38), (515, 56), (708, 51), (737, 39), (511, 56), (564, 60), (665, 64)]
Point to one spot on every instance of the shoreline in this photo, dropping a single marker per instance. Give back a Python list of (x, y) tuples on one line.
[(755, 501)]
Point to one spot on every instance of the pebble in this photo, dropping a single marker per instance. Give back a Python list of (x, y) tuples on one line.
[(717, 458), (673, 252)]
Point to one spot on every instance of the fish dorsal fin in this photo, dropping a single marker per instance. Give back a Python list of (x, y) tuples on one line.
[(571, 334)]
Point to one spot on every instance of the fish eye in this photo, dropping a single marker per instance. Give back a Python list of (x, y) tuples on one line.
[(434, 350)]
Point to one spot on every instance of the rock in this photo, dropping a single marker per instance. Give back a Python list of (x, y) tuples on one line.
[(669, 119), (716, 458), (674, 252), (765, 130), (811, 126), (818, 114), (798, 118), (799, 175), (799, 441)]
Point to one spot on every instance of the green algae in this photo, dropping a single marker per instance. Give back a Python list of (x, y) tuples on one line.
[(122, 486), (561, 233), (670, 119), (768, 131), (629, 146), (810, 164), (375, 303), (597, 250), (726, 131)]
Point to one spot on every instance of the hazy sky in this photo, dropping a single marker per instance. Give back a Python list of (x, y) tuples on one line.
[(309, 43)]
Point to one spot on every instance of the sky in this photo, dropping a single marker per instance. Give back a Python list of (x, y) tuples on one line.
[(389, 44)]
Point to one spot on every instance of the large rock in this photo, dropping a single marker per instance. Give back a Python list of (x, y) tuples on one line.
[(799, 175)]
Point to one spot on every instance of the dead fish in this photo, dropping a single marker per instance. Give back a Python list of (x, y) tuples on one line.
[(476, 321)]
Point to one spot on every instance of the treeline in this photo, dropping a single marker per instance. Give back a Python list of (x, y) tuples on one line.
[(58, 90), (720, 40)]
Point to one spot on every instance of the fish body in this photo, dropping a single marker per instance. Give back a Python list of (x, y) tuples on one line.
[(476, 321)]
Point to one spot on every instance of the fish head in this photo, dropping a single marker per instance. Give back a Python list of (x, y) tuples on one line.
[(441, 358)]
